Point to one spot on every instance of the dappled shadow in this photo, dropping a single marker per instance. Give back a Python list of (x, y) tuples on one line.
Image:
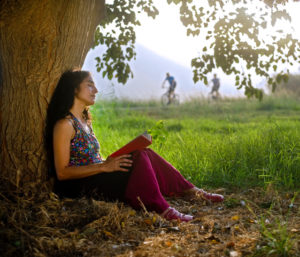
[(40, 224)]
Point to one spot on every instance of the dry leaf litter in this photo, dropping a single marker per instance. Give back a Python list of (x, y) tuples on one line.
[(37, 223)]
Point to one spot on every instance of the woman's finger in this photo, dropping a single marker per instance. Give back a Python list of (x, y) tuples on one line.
[(124, 156), (123, 169), (127, 160), (126, 164)]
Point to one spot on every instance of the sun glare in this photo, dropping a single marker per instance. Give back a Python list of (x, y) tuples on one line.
[(167, 36)]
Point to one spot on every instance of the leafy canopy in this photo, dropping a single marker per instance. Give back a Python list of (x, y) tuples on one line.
[(238, 39)]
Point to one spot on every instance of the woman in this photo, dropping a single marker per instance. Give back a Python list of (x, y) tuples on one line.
[(142, 176)]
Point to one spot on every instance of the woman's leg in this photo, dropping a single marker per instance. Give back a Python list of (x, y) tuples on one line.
[(149, 174), (170, 181), (152, 177), (143, 184), (110, 186), (173, 183)]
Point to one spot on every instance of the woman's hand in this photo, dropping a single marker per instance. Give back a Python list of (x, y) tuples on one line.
[(118, 163)]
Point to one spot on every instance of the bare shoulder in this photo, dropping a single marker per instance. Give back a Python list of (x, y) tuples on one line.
[(65, 127), (63, 124)]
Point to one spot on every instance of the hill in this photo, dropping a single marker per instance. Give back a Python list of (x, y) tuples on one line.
[(149, 71)]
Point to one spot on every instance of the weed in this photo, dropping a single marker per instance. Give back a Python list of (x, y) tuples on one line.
[(232, 202), (275, 240)]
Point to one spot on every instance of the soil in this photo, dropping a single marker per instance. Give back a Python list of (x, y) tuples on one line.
[(253, 222)]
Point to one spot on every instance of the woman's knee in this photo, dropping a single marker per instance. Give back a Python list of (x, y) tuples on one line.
[(139, 152)]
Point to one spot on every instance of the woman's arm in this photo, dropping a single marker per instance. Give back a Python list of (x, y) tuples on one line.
[(62, 134)]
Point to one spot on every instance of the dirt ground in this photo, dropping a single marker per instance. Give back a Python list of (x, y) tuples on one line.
[(254, 222)]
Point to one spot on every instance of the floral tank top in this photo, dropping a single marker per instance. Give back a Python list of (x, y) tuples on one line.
[(84, 147)]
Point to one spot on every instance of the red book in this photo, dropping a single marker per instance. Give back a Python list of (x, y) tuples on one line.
[(139, 143)]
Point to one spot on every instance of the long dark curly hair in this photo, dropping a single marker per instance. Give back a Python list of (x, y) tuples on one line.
[(60, 104)]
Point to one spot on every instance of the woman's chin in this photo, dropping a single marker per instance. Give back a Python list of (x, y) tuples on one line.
[(92, 102)]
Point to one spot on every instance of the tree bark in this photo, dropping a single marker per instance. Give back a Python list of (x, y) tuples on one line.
[(39, 39)]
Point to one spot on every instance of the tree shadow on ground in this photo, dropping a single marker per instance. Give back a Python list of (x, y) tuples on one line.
[(37, 223)]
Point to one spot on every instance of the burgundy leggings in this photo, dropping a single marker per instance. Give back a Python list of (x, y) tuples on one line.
[(152, 178), (149, 179)]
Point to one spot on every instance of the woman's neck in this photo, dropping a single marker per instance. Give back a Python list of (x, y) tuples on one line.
[(77, 111)]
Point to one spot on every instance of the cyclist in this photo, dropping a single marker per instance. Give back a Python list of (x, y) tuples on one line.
[(172, 86), (216, 85)]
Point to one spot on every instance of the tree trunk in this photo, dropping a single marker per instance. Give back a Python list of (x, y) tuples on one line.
[(39, 40)]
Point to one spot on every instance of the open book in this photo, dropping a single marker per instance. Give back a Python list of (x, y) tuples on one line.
[(140, 142)]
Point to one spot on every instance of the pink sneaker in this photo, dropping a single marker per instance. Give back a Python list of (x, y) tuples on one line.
[(173, 214), (215, 198), (196, 192)]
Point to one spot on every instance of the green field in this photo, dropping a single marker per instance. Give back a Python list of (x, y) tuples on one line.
[(231, 143)]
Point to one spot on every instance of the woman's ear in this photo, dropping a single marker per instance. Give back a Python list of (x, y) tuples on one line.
[(76, 91)]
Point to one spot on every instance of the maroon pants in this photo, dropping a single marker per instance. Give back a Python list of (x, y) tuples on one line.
[(151, 178)]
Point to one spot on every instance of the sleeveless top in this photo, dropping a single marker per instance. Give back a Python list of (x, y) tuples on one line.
[(84, 148)]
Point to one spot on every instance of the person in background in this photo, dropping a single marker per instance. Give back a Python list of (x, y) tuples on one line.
[(215, 88), (172, 86), (142, 176)]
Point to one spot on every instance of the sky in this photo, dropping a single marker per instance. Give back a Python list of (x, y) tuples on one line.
[(166, 35)]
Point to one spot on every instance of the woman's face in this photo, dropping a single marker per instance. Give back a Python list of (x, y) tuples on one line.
[(87, 91)]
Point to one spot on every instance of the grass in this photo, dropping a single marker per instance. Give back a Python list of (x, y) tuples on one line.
[(275, 240), (232, 143)]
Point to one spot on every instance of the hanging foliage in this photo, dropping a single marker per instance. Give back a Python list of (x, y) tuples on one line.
[(238, 39)]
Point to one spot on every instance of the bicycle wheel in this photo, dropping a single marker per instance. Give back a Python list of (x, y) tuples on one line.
[(175, 99), (165, 99)]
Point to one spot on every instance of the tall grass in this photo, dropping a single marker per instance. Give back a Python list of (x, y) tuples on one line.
[(229, 143)]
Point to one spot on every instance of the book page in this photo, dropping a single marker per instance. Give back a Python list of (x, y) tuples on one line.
[(148, 136)]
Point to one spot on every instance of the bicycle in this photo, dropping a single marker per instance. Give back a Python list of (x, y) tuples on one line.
[(175, 100)]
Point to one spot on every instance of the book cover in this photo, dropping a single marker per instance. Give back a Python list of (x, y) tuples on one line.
[(140, 142)]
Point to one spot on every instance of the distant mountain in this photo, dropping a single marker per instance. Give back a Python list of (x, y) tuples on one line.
[(149, 72)]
